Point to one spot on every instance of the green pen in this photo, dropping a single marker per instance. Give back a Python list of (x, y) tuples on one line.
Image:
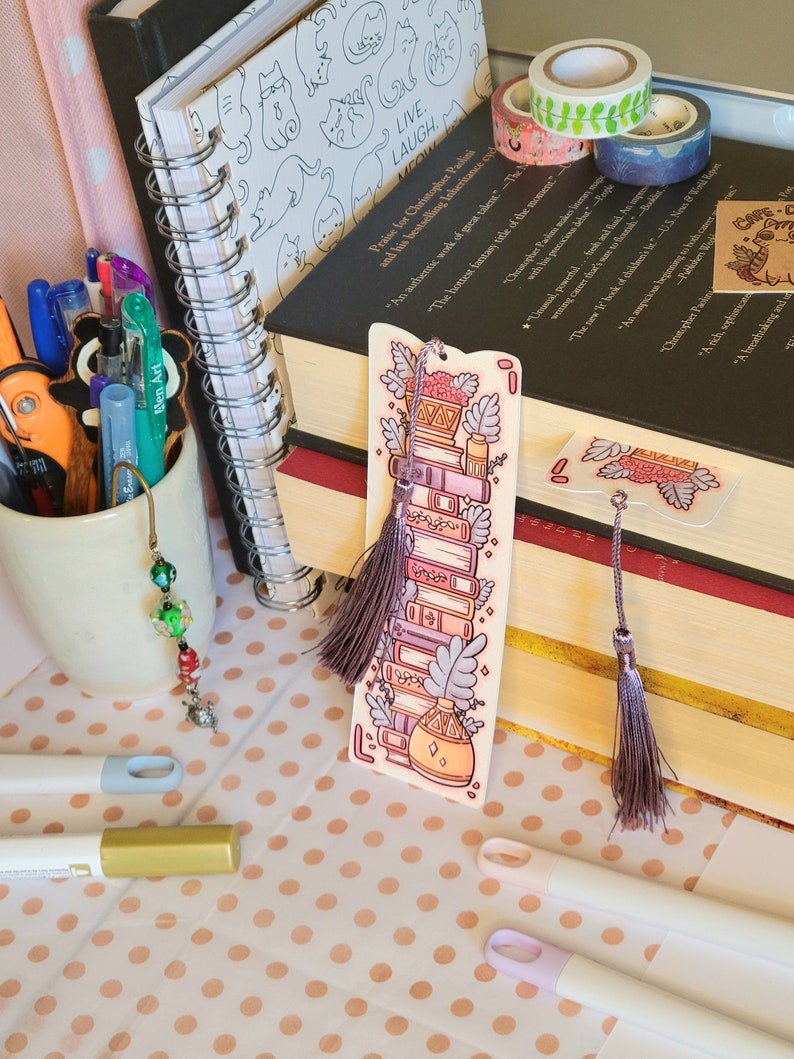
[(146, 375)]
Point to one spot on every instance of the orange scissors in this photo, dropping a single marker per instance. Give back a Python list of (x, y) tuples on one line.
[(37, 429)]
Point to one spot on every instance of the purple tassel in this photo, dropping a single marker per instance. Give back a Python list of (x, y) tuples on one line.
[(359, 623), (637, 781)]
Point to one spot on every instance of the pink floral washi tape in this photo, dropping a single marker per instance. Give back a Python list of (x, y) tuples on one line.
[(517, 135)]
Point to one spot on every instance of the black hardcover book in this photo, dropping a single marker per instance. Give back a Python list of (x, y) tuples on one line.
[(604, 291), (131, 54)]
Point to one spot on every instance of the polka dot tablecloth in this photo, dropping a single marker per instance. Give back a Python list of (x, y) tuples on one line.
[(355, 924)]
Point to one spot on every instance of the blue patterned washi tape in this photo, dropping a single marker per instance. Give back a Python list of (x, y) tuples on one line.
[(672, 144)]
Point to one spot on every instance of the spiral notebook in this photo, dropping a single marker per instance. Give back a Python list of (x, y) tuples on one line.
[(267, 145)]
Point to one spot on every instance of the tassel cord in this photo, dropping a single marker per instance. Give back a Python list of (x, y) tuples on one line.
[(619, 501), (637, 781), (362, 619)]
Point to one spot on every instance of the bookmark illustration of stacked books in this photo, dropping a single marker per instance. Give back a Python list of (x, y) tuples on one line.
[(426, 709)]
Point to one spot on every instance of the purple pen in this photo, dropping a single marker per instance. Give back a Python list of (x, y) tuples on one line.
[(127, 278)]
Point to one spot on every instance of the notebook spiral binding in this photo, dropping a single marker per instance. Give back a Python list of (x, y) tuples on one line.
[(246, 402)]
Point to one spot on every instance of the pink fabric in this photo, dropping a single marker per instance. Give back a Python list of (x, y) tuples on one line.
[(101, 185), (65, 183), (41, 229)]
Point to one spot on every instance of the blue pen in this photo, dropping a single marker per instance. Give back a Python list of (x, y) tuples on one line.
[(45, 338), (93, 284), (67, 301), (146, 374), (53, 310), (117, 421)]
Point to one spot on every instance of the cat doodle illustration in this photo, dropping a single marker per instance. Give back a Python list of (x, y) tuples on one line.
[(349, 120), (197, 125), (291, 264), (443, 53), (247, 292), (285, 191), (280, 120), (475, 10), (365, 32), (483, 84), (234, 117), (311, 47), (453, 116), (768, 257), (773, 262), (367, 180), (395, 78), (328, 225)]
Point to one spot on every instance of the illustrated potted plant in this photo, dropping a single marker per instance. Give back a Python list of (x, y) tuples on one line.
[(440, 747), (482, 423)]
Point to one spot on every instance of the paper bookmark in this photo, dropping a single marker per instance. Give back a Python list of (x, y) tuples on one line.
[(426, 709)]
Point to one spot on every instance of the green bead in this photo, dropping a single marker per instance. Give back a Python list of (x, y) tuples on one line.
[(163, 574), (171, 620)]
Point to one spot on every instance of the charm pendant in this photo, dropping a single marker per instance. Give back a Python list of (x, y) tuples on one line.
[(171, 617)]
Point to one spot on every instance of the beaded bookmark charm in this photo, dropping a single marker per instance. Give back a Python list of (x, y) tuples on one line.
[(171, 616)]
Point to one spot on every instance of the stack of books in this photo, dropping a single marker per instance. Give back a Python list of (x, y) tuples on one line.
[(605, 294)]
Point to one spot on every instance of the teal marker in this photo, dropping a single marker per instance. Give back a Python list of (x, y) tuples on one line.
[(146, 375)]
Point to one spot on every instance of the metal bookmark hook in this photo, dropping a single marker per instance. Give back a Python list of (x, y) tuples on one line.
[(145, 486)]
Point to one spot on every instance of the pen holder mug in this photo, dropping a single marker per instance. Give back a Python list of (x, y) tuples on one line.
[(84, 582)]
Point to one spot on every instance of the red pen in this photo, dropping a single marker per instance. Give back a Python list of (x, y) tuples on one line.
[(104, 273)]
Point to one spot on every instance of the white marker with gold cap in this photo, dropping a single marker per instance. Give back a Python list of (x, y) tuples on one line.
[(124, 852)]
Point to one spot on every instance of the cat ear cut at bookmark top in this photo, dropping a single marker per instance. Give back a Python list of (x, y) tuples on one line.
[(443, 444)]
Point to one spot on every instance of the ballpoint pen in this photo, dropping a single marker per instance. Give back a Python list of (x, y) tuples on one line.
[(146, 374), (53, 310), (110, 355), (88, 774), (93, 284), (103, 273), (37, 427), (117, 429), (127, 278)]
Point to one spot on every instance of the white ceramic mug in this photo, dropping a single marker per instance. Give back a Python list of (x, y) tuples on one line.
[(84, 583)]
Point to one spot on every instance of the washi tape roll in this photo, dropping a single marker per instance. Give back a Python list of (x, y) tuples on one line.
[(673, 143), (591, 88), (518, 136)]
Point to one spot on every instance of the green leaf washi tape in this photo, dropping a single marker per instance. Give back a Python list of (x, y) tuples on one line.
[(591, 87)]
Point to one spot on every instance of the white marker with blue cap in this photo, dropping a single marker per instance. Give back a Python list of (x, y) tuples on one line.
[(88, 774)]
